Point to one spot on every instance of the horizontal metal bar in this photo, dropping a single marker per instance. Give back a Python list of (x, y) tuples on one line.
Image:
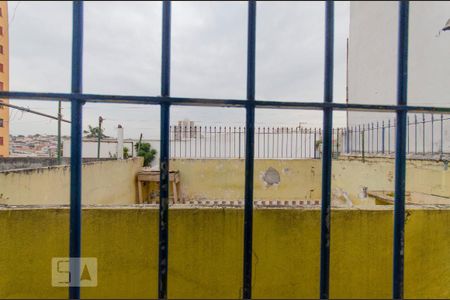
[(157, 100)]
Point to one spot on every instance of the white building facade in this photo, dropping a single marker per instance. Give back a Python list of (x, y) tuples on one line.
[(372, 68)]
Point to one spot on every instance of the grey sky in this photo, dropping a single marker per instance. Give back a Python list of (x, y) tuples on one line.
[(122, 53)]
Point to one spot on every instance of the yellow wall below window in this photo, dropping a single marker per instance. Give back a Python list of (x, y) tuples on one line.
[(205, 252)]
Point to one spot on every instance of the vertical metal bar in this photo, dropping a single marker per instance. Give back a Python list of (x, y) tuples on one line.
[(174, 146), (315, 142), (321, 137), (407, 134), (400, 155), (229, 141), (258, 141), (185, 137), (239, 148), (351, 139), (432, 134), (195, 141), (76, 150), (332, 144), (301, 142), (264, 142), (249, 152), (292, 140), (415, 134), (224, 141), (372, 143), (234, 142), (215, 142), (268, 143), (368, 138), (378, 136), (171, 141), (363, 142), (305, 132), (442, 135), (220, 142), (347, 141), (164, 157), (58, 149), (326, 161), (278, 142), (389, 136), (286, 129), (190, 140), (423, 134)]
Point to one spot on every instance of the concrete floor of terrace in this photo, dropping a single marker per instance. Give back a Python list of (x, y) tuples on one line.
[(205, 251)]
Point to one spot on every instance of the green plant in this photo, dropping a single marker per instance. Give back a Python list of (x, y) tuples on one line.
[(146, 151), (126, 153), (93, 132)]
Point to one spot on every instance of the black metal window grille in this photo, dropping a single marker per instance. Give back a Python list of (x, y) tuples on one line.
[(78, 98)]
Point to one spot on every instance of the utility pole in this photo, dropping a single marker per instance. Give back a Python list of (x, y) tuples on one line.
[(59, 133), (100, 120), (139, 145)]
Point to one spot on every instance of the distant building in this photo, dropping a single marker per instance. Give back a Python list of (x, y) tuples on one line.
[(4, 78), (372, 65), (33, 145), (184, 130)]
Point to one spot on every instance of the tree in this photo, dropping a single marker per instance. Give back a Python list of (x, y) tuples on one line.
[(146, 151), (92, 132)]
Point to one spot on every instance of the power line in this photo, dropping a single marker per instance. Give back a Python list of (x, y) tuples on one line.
[(32, 111), (14, 15)]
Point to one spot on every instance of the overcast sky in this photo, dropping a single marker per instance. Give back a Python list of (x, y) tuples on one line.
[(122, 55)]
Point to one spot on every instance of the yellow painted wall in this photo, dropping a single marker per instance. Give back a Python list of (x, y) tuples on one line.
[(301, 179), (205, 252), (4, 77), (104, 182), (222, 179), (424, 176)]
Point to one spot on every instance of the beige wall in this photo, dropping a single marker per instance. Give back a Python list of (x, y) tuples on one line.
[(205, 253), (301, 179), (114, 182), (104, 182)]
